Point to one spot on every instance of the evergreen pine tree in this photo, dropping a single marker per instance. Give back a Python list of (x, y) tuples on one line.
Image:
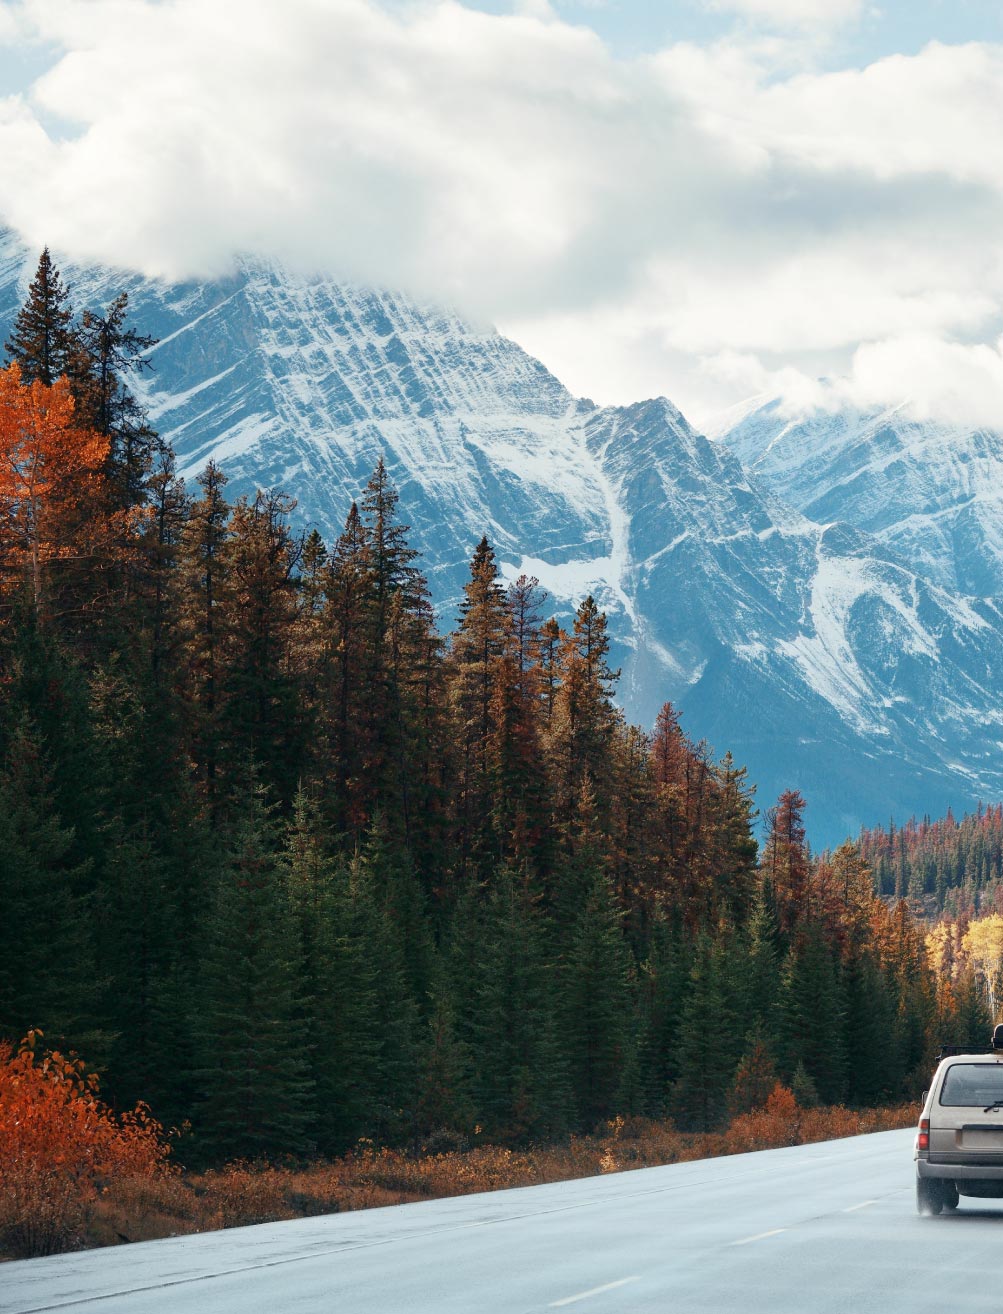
[(400, 648), (258, 1098), (160, 585), (137, 941), (386, 1095), (47, 693), (632, 865), (663, 981), (869, 1026), (106, 352), (735, 849), (596, 1004), (391, 557), (337, 972), (478, 670), (444, 1105), (47, 977), (41, 343), (585, 717), (785, 858), (813, 1013), (263, 706), (518, 1074), (394, 884), (206, 619), (762, 977), (803, 1087), (344, 717), (707, 1056)]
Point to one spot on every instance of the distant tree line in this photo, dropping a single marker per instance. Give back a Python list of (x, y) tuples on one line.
[(943, 866), (296, 868)]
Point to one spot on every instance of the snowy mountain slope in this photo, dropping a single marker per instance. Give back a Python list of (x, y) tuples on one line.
[(931, 491), (811, 652)]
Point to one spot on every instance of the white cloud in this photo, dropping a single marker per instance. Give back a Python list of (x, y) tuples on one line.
[(645, 226), (929, 378), (934, 379)]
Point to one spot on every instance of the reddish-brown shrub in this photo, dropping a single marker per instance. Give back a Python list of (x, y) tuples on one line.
[(153, 1202), (782, 1121), (58, 1146)]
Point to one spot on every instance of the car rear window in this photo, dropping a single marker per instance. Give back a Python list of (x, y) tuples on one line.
[(971, 1085)]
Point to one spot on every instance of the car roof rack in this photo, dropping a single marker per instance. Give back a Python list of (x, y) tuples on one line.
[(949, 1051)]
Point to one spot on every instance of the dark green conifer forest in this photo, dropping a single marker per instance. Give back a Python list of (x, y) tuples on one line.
[(295, 866)]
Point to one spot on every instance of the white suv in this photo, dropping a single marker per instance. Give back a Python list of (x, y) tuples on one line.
[(959, 1145)]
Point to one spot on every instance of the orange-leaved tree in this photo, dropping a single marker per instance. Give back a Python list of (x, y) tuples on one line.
[(52, 476), (59, 1146)]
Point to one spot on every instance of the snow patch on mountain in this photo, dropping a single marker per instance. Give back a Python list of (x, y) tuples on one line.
[(824, 652)]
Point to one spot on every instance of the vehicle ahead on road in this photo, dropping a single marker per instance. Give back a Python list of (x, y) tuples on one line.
[(959, 1145)]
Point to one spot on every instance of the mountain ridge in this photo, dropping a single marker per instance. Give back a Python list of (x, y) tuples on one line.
[(930, 490), (805, 649)]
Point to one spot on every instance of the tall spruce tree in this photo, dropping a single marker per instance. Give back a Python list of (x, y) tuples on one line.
[(395, 885), (519, 1083), (137, 942), (263, 708), (400, 645), (735, 849), (762, 974), (207, 615), (42, 343), (388, 1092), (170, 508), (444, 1106), (707, 1034), (662, 987), (107, 351), (596, 1004), (870, 1019), (585, 716), (258, 1098), (344, 717), (786, 859), (47, 968), (337, 971), (813, 1011), (481, 643)]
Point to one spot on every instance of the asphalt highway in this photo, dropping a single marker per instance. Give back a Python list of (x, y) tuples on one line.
[(820, 1229)]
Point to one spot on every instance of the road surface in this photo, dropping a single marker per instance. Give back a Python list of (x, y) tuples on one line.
[(819, 1229)]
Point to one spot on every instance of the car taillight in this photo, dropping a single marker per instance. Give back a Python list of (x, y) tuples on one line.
[(923, 1139)]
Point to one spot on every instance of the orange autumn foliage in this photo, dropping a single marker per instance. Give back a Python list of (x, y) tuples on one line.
[(51, 482), (60, 1146), (782, 1121), (240, 1194)]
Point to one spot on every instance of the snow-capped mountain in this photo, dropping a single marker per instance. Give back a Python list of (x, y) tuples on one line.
[(813, 653), (931, 491)]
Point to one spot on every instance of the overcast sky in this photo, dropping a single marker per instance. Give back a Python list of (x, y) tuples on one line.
[(703, 198)]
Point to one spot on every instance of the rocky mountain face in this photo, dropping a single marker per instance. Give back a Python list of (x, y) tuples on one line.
[(932, 492), (812, 651)]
